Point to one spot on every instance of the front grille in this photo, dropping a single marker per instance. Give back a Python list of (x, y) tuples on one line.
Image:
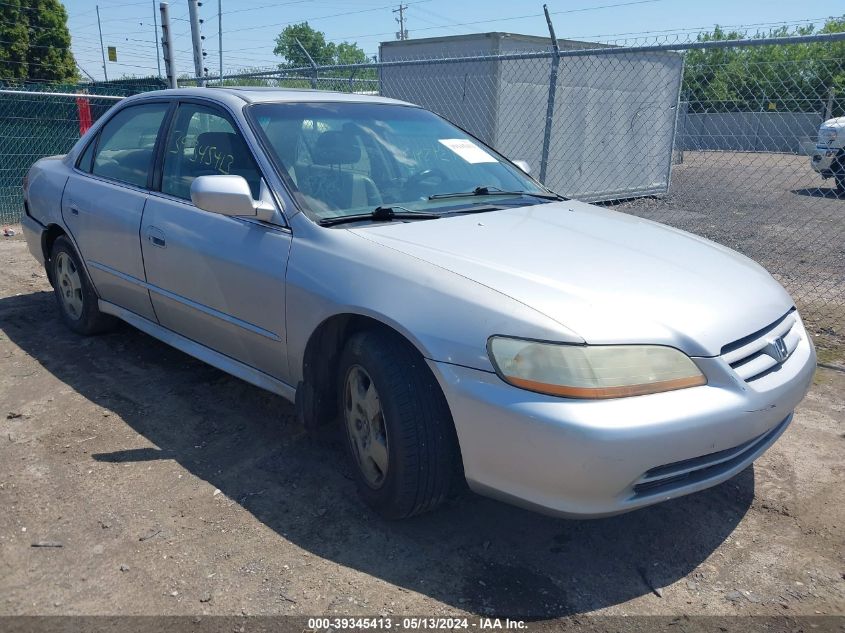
[(669, 477), (751, 357)]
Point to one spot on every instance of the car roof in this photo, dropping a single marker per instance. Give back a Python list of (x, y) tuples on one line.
[(256, 94)]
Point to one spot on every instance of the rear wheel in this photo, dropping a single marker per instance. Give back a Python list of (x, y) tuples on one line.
[(399, 433), (74, 293)]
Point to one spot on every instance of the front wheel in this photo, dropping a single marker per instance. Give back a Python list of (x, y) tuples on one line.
[(399, 432)]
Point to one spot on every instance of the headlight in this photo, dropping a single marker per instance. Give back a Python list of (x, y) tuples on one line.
[(827, 135), (592, 371)]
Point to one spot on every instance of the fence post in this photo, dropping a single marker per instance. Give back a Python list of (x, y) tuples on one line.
[(196, 40), (167, 46), (550, 105), (310, 61)]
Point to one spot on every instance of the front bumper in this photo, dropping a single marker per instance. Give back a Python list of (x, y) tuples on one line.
[(823, 160), (602, 457)]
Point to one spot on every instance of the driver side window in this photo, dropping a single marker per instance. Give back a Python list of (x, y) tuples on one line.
[(204, 142)]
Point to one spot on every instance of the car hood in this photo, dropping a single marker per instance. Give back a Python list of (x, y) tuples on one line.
[(607, 276), (838, 122)]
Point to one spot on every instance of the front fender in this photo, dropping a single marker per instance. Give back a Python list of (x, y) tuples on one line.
[(447, 317)]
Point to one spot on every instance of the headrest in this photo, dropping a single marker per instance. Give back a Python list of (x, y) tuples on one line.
[(336, 148), (224, 143)]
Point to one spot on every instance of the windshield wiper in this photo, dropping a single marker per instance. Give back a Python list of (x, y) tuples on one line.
[(495, 191), (380, 214)]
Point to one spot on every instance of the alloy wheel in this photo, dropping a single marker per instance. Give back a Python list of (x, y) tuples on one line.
[(365, 426), (69, 285)]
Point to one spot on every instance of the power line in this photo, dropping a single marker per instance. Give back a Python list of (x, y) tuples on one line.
[(109, 6), (39, 64), (266, 6), (446, 21), (516, 17), (325, 17)]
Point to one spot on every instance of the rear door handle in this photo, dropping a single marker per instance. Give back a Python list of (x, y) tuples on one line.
[(156, 237)]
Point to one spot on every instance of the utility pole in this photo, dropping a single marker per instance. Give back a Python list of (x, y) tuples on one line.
[(402, 34), (155, 38), (220, 36), (196, 39), (102, 50), (167, 46)]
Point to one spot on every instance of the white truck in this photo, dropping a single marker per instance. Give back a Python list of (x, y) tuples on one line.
[(829, 156)]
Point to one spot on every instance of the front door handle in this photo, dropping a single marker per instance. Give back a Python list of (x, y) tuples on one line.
[(156, 237)]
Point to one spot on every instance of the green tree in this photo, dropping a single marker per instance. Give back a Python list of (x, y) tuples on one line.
[(49, 57), (36, 41), (14, 34), (322, 52), (347, 53), (788, 77)]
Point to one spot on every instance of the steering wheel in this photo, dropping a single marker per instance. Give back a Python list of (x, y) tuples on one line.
[(415, 180)]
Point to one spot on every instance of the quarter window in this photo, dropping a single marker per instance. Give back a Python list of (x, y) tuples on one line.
[(204, 142), (127, 142), (85, 160)]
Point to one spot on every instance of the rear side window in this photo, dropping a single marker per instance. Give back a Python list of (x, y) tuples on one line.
[(125, 149)]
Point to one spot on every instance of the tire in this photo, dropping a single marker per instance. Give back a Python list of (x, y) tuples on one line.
[(74, 292), (410, 421), (839, 177)]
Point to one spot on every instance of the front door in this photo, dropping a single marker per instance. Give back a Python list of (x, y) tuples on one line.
[(217, 280)]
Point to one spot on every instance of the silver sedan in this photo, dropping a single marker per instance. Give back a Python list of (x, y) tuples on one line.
[(393, 275)]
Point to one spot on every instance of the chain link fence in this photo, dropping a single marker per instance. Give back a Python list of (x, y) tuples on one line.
[(713, 137), (40, 119)]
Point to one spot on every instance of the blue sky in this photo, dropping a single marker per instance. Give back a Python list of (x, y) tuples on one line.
[(250, 26)]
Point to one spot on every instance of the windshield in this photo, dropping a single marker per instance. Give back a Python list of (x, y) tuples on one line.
[(349, 158)]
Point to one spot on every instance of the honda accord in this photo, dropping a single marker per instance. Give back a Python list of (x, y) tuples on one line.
[(390, 273)]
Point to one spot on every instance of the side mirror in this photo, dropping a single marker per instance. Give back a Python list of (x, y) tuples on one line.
[(226, 195), (230, 195), (523, 165)]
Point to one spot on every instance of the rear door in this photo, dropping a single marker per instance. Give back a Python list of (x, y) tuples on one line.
[(217, 280), (104, 201)]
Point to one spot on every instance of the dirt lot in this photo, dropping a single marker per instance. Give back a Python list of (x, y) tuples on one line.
[(175, 489), (778, 211)]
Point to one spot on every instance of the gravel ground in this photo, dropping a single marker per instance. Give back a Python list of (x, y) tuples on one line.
[(778, 211), (172, 488)]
